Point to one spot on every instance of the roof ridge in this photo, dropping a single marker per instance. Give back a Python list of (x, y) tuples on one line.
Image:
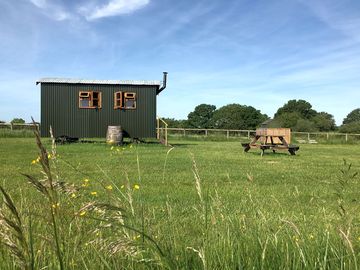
[(88, 81)]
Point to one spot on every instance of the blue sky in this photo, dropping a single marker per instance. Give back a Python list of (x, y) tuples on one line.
[(258, 53)]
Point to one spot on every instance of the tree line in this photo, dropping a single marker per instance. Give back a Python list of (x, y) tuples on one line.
[(295, 114)]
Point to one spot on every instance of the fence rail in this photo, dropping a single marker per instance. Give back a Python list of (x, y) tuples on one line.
[(17, 126), (229, 133)]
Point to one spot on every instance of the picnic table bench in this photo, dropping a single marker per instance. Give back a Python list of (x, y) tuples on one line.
[(270, 141)]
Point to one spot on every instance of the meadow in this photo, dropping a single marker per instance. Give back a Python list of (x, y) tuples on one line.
[(195, 205)]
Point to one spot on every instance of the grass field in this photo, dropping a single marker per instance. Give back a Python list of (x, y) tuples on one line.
[(200, 205)]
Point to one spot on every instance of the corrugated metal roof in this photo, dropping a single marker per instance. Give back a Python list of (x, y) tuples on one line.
[(82, 81)]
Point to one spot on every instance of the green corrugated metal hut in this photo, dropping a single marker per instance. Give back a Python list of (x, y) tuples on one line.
[(85, 108)]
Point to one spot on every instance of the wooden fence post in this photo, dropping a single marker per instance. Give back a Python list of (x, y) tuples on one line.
[(166, 136), (227, 134), (327, 136), (308, 136), (248, 134), (158, 128), (206, 132), (346, 137), (184, 132)]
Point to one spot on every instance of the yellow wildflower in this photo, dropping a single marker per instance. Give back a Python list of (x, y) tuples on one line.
[(49, 156), (136, 186), (86, 182), (94, 193), (109, 187), (73, 195), (311, 236), (296, 239), (33, 161), (55, 205), (82, 213), (122, 186)]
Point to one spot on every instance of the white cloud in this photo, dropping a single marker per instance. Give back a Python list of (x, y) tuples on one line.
[(61, 15), (91, 10), (337, 16), (113, 8), (52, 10), (39, 3)]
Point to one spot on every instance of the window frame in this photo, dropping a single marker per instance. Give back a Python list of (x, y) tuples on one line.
[(90, 96), (133, 97), (120, 99)]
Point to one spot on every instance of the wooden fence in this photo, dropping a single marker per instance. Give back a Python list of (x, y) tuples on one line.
[(17, 126), (230, 133)]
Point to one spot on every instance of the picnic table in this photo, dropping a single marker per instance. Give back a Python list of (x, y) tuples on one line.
[(265, 140)]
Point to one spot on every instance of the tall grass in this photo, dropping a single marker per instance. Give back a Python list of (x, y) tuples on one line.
[(107, 222), (21, 133)]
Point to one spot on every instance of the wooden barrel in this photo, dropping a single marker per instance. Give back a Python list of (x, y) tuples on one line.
[(114, 135)]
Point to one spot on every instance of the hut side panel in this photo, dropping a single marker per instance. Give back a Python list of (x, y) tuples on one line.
[(60, 109)]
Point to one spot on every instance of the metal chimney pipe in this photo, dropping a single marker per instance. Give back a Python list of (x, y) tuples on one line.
[(164, 79), (163, 82)]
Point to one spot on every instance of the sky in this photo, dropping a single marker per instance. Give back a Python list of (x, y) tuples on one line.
[(259, 53)]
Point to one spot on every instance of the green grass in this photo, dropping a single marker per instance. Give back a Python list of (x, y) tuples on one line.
[(17, 133), (205, 204)]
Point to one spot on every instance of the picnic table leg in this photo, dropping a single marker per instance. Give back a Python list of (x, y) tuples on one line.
[(283, 141), (292, 151), (255, 139), (247, 148)]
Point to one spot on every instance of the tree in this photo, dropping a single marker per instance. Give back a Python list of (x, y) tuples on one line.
[(288, 119), (305, 125), (201, 116), (353, 116), (174, 123), (299, 115), (17, 121), (324, 121), (353, 127), (236, 116), (300, 106)]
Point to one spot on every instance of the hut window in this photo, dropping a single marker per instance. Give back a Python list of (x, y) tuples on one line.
[(89, 99), (130, 101), (123, 100), (96, 101), (118, 100)]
